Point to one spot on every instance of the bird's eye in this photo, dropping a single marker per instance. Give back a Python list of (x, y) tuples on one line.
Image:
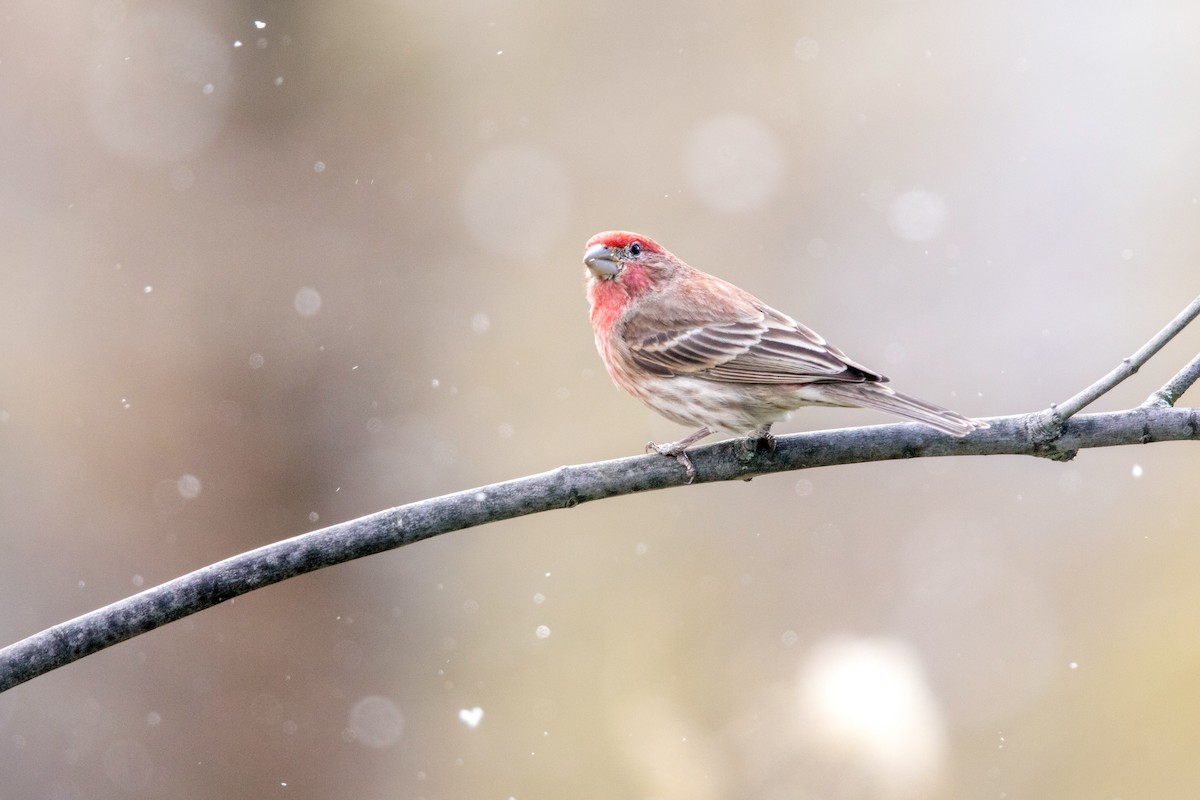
[(635, 249)]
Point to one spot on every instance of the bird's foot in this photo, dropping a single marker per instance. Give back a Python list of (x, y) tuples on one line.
[(675, 450)]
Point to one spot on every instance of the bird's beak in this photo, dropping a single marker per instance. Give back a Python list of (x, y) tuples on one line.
[(601, 261)]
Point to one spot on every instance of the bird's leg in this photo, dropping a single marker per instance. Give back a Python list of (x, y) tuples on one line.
[(764, 434), (675, 450)]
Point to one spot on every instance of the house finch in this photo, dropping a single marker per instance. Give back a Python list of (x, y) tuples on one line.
[(702, 352)]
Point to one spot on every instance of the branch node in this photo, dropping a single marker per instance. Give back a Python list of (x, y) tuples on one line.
[(1045, 431), (1157, 399), (1045, 427)]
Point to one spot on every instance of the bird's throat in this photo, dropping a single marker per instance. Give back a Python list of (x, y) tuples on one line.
[(608, 300)]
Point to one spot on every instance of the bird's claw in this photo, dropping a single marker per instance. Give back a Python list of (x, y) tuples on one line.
[(676, 452)]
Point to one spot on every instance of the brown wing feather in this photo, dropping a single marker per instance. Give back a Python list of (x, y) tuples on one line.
[(762, 346)]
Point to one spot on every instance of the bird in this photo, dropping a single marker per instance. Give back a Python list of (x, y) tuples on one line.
[(705, 353)]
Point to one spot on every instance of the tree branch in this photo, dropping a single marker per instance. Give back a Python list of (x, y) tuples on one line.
[(1173, 389), (1053, 417), (564, 487), (1055, 433)]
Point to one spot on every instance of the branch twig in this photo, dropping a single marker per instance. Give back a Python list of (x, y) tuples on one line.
[(1056, 415), (564, 487), (1173, 389)]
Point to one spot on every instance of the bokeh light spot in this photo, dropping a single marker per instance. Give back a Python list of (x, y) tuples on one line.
[(918, 215), (734, 163), (189, 486), (516, 200), (145, 85), (307, 301), (376, 721), (868, 699)]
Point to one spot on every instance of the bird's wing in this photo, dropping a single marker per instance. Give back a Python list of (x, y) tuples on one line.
[(760, 347)]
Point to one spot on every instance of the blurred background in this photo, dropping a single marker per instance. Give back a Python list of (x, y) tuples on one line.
[(269, 266)]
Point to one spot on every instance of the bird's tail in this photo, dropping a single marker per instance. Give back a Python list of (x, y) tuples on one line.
[(881, 397)]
